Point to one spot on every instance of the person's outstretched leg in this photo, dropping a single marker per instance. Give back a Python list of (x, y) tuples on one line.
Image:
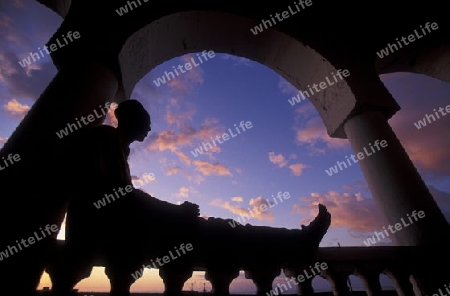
[(225, 241), (235, 242)]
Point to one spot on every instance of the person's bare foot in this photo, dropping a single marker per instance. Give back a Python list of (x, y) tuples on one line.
[(313, 234)]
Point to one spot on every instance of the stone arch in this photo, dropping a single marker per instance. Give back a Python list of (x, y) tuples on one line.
[(194, 31)]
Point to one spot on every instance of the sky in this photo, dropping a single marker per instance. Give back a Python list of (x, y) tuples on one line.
[(284, 148)]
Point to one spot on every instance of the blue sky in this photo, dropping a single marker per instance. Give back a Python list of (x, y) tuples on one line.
[(287, 148)]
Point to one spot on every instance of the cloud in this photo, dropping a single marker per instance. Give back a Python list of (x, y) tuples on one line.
[(180, 135), (256, 209), (355, 211), (226, 205), (186, 136), (196, 178), (258, 204), (418, 95), (237, 199), (277, 159), (179, 118), (183, 192), (183, 157), (186, 82), (350, 210), (17, 40), (173, 171), (428, 149), (281, 161), (16, 109), (314, 134), (297, 168), (195, 74), (209, 169), (27, 82)]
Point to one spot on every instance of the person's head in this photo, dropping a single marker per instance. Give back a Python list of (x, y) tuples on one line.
[(133, 120)]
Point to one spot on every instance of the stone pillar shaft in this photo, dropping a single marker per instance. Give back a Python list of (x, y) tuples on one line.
[(76, 90), (401, 282), (174, 279), (263, 279), (221, 280), (372, 284), (338, 282), (396, 186)]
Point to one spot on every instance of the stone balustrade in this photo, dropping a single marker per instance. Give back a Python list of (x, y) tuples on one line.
[(412, 270)]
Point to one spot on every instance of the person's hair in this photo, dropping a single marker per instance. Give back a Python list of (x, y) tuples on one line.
[(130, 111)]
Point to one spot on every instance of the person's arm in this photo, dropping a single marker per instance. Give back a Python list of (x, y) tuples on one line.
[(187, 209)]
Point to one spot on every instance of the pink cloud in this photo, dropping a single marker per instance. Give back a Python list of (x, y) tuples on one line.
[(209, 169), (257, 209), (185, 82), (297, 168), (173, 171), (237, 199), (277, 159), (427, 147), (184, 192), (315, 135), (16, 109), (351, 210)]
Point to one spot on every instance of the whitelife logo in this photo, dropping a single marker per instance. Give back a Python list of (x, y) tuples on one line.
[(225, 137), (359, 155), (188, 66), (262, 208), (422, 123), (10, 160), (124, 9), (284, 15), (411, 38), (281, 288), (323, 85), (397, 226), (72, 127), (11, 250), (166, 259), (53, 47)]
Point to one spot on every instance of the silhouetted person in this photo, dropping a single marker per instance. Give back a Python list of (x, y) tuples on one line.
[(130, 227), (100, 172)]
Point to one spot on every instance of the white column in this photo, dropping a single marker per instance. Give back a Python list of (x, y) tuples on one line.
[(396, 186)]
